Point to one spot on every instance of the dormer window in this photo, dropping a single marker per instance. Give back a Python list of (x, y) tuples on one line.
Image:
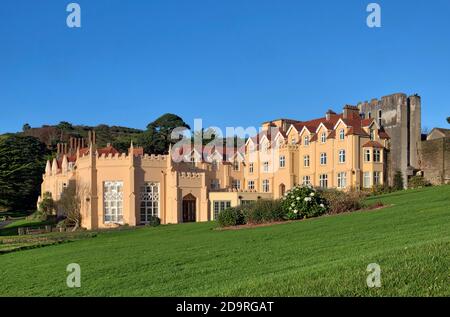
[(369, 115), (306, 140), (293, 141), (379, 117), (323, 137), (341, 134), (372, 135)]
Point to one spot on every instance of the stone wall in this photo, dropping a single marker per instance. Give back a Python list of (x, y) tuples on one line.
[(435, 160)]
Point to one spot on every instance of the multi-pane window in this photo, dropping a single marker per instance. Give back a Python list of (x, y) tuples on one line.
[(215, 185), (220, 205), (266, 167), (193, 161), (323, 158), (341, 156), (367, 155), (376, 178), (113, 201), (149, 197), (293, 141), (250, 168), (265, 186), (323, 137), (376, 155), (306, 161), (236, 184), (306, 140), (366, 180), (251, 185), (236, 165), (342, 180), (341, 134), (379, 117), (306, 180), (323, 180), (282, 161), (372, 135)]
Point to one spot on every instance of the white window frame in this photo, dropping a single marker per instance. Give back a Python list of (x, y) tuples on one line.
[(220, 205), (113, 202), (266, 167), (251, 185), (323, 180), (236, 184), (306, 180), (376, 178), (149, 201), (341, 134), (342, 180), (265, 186), (366, 180), (323, 137), (306, 161), (282, 161), (236, 166), (376, 155), (367, 155), (323, 158), (306, 140), (251, 168), (341, 156)]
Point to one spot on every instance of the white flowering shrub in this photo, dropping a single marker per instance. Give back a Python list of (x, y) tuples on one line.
[(303, 202)]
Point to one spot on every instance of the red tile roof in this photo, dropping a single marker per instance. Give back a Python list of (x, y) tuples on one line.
[(373, 144)]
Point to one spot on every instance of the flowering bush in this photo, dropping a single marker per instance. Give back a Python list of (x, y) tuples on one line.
[(303, 202)]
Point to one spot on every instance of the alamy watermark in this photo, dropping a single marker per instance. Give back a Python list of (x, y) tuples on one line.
[(74, 278), (374, 18), (374, 278), (74, 18)]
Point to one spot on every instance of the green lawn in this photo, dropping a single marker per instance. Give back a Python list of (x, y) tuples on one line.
[(326, 256)]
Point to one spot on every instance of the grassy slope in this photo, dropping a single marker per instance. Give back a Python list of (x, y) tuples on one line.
[(326, 256)]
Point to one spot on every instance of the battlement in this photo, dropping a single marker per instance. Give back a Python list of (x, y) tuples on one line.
[(189, 175)]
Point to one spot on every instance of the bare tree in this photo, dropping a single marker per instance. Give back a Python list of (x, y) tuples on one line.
[(69, 205)]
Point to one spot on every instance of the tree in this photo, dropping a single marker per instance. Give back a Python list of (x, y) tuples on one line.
[(398, 181), (65, 126), (448, 120), (26, 127), (157, 138), (69, 204), (47, 205), (22, 163)]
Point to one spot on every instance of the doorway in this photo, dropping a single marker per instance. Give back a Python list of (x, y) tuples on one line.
[(189, 208)]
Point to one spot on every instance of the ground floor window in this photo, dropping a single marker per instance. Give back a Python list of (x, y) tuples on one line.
[(113, 201), (323, 180), (366, 180), (376, 178), (265, 186), (306, 180), (220, 205), (149, 197), (342, 180)]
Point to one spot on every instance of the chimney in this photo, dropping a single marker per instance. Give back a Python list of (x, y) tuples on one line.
[(329, 114), (351, 112)]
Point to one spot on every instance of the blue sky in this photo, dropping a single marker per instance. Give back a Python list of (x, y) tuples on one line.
[(229, 62)]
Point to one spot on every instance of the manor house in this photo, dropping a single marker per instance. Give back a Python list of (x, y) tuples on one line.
[(358, 148)]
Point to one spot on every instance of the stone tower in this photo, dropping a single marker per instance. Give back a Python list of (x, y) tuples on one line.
[(400, 116)]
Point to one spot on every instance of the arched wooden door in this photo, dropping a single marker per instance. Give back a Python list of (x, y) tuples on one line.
[(189, 208), (282, 189)]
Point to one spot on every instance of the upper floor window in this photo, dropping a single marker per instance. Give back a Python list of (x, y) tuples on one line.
[(193, 161), (282, 161), (372, 135), (214, 165), (379, 117), (265, 186), (293, 140), (376, 155), (215, 184), (236, 165), (369, 115), (266, 167), (323, 158), (367, 155), (341, 134), (341, 156), (323, 137), (306, 161), (306, 140), (250, 168), (251, 185), (266, 147), (236, 184)]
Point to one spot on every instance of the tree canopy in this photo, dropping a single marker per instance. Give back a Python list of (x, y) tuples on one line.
[(157, 138), (22, 163)]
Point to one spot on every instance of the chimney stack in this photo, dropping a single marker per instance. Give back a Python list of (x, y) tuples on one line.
[(351, 112)]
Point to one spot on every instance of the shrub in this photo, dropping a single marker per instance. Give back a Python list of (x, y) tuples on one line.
[(47, 204), (263, 211), (303, 202), (231, 217), (154, 221), (340, 201), (38, 216), (418, 182), (382, 189)]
